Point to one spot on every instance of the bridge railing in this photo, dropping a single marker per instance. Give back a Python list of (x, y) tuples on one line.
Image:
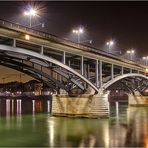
[(8, 24), (19, 27)]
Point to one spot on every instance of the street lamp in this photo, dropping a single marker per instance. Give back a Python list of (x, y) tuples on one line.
[(130, 53), (109, 44), (78, 31), (145, 59), (31, 13)]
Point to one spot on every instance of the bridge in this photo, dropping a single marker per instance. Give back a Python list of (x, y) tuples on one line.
[(80, 77)]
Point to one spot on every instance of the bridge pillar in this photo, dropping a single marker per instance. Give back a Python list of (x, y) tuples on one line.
[(100, 74), (137, 100), (86, 105)]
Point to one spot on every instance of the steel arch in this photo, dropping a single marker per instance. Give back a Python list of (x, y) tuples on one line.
[(36, 55), (32, 71), (109, 83)]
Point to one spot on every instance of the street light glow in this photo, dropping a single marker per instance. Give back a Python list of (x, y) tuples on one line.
[(130, 51), (81, 30), (33, 12), (26, 13), (78, 32), (107, 43), (30, 12), (144, 58), (110, 44)]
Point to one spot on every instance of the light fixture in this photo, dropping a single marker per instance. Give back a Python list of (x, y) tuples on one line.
[(27, 37)]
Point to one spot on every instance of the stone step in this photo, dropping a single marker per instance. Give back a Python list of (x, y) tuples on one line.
[(100, 109), (99, 113)]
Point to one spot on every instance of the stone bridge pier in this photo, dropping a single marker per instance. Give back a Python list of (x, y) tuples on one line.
[(86, 105), (137, 100)]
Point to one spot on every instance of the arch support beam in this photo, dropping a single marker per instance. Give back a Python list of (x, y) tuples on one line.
[(47, 60)]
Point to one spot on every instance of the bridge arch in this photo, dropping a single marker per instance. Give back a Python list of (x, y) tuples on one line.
[(130, 75), (41, 59)]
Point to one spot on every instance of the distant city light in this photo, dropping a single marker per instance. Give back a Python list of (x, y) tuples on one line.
[(27, 37)]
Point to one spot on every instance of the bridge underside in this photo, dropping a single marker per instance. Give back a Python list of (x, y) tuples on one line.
[(129, 83), (54, 77)]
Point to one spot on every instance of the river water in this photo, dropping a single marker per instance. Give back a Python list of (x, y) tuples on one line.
[(30, 124)]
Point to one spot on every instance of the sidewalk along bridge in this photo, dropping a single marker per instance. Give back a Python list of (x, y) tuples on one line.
[(68, 68)]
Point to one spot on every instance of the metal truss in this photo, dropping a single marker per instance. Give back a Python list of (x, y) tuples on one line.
[(132, 82), (16, 55)]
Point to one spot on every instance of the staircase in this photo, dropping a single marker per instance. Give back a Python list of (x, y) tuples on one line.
[(100, 107)]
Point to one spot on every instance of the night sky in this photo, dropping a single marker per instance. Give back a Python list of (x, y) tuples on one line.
[(124, 22)]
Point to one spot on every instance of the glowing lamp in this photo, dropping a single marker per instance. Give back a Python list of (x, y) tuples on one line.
[(27, 37)]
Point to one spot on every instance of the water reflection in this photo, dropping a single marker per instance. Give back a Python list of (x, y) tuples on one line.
[(20, 125), (137, 126), (124, 130)]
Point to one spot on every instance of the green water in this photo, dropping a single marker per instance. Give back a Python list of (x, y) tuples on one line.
[(28, 128)]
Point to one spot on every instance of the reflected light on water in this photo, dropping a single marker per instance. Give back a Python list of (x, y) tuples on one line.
[(8, 113), (33, 106), (19, 111), (12, 107), (51, 128), (130, 129), (19, 106), (8, 106), (48, 106), (146, 142), (106, 134)]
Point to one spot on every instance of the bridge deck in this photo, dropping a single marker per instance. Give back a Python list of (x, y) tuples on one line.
[(39, 38)]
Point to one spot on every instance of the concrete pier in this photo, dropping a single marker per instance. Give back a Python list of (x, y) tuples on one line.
[(90, 106), (137, 100)]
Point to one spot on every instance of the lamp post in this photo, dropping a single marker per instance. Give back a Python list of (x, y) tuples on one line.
[(78, 31), (130, 53), (109, 44), (31, 13), (145, 59)]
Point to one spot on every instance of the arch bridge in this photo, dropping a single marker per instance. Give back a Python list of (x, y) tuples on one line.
[(65, 66)]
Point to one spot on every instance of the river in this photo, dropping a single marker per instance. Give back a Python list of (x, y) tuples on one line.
[(30, 124)]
